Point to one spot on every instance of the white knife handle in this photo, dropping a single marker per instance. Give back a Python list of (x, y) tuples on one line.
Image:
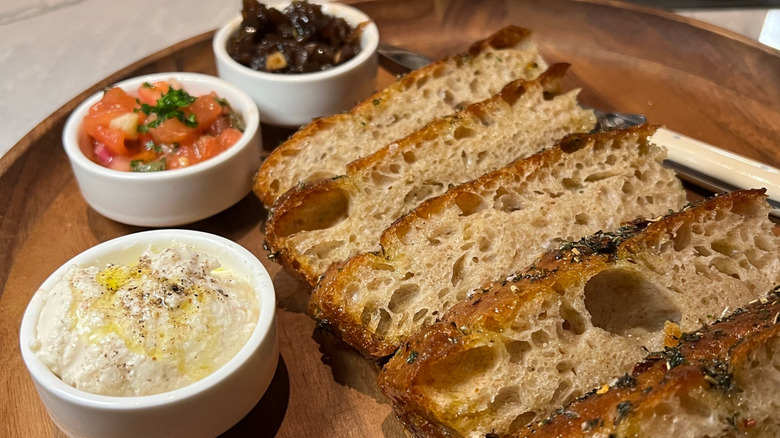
[(717, 164)]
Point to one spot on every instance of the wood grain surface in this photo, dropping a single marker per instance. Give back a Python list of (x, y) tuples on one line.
[(696, 79)]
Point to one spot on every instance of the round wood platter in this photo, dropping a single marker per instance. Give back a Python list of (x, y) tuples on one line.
[(694, 78)]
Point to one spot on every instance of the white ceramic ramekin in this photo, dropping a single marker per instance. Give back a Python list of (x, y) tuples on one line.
[(170, 197), (295, 99), (205, 408)]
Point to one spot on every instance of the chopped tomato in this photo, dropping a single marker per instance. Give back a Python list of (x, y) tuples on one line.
[(113, 139), (119, 163), (173, 126), (206, 110), (206, 147), (118, 98), (101, 117), (173, 131), (182, 157), (151, 93), (228, 137)]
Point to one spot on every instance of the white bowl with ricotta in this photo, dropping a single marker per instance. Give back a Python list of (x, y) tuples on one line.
[(292, 100), (127, 338), (170, 197)]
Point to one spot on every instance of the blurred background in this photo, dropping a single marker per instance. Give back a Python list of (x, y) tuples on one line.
[(51, 50)]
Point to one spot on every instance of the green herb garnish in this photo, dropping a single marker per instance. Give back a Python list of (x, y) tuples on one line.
[(153, 147), (152, 166), (623, 409), (236, 121), (168, 107), (674, 357)]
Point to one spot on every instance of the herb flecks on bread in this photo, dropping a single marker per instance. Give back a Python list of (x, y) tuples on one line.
[(581, 316), (720, 380), (449, 246)]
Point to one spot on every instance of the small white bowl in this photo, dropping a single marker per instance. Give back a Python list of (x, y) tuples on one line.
[(205, 408), (292, 100), (170, 197)]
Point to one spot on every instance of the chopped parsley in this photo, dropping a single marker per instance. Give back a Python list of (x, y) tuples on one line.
[(168, 107), (623, 409), (626, 382), (592, 424), (152, 166), (717, 374), (151, 146), (674, 357)]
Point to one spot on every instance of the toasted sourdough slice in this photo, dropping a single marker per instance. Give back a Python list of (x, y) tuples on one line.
[(323, 148), (581, 316), (499, 223), (721, 380), (318, 224)]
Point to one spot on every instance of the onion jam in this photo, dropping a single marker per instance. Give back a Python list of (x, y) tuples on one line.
[(301, 39)]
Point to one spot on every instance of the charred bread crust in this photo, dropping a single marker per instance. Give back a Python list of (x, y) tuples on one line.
[(331, 316), (306, 206), (506, 37), (703, 360), (317, 204), (549, 80), (325, 304), (576, 260), (516, 170), (495, 305), (261, 181)]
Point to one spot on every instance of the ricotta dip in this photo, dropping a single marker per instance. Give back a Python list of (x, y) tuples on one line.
[(161, 324)]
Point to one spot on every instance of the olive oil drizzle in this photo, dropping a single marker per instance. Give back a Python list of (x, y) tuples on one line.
[(133, 305)]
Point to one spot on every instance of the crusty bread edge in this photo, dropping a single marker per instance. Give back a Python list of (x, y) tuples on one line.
[(289, 203), (571, 143), (325, 303), (286, 207), (549, 81), (727, 340), (506, 37), (499, 301)]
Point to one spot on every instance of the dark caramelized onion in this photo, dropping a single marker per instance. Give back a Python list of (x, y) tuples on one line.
[(302, 39)]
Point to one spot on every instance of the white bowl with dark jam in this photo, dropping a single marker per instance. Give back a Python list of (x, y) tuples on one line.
[(154, 334), (149, 154), (293, 85)]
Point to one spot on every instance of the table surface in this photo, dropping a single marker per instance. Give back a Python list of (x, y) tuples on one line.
[(52, 50)]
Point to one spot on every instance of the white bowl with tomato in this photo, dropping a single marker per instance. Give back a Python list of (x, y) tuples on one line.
[(165, 149)]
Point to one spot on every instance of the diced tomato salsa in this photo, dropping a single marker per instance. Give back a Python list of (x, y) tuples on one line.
[(163, 128)]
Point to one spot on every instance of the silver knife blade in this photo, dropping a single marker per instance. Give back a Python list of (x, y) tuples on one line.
[(696, 162)]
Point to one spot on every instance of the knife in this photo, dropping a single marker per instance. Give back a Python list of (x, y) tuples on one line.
[(694, 161)]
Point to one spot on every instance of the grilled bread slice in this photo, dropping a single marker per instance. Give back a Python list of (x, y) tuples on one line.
[(329, 221), (499, 223), (323, 148), (581, 316), (721, 380)]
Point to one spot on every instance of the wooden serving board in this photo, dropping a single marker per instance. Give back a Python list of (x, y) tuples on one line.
[(696, 79)]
